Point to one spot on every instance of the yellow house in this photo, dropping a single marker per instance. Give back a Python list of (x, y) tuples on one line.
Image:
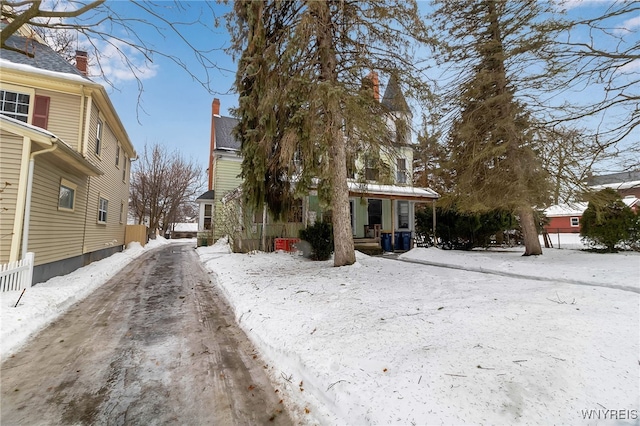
[(64, 162), (382, 198)]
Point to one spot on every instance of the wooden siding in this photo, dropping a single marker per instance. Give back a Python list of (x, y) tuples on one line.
[(110, 186), (562, 224), (10, 159), (64, 113), (55, 234), (225, 179)]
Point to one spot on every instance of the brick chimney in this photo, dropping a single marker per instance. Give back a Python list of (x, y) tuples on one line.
[(215, 112), (215, 107), (82, 61), (375, 82)]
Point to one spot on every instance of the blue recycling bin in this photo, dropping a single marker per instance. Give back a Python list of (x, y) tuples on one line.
[(406, 240), (385, 241), (398, 243)]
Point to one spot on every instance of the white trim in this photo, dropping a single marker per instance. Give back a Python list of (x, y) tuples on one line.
[(372, 190)]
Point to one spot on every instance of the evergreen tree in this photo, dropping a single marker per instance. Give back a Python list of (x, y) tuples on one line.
[(608, 221), (491, 155), (306, 104)]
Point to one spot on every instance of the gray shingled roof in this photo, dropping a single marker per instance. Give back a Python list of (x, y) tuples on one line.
[(224, 133), (43, 57), (209, 195), (614, 178), (393, 97)]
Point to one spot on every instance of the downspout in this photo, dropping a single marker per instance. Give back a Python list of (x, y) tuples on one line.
[(27, 209)]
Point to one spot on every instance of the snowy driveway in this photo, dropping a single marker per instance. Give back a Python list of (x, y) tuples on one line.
[(154, 345)]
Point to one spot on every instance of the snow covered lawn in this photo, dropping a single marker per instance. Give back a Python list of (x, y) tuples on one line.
[(390, 342)]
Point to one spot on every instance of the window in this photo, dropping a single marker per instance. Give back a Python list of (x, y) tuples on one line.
[(371, 168), (99, 138), (401, 131), (208, 208), (403, 214), (401, 170), (257, 216), (295, 212), (122, 210), (575, 221), (124, 169), (67, 195), (103, 205), (117, 154), (15, 105), (351, 165), (374, 212)]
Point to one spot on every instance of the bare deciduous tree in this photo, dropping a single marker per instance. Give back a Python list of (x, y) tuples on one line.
[(126, 28), (601, 55), (162, 184)]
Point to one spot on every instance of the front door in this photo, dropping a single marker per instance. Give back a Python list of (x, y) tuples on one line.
[(375, 212)]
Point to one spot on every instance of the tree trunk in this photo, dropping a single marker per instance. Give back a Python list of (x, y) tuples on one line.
[(530, 233), (344, 252)]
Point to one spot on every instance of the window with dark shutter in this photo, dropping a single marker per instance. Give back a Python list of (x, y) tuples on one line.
[(41, 111)]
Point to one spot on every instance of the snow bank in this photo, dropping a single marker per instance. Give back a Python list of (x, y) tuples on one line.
[(44, 302)]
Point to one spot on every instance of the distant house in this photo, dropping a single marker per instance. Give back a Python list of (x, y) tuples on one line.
[(64, 162), (183, 230), (565, 218), (381, 201), (626, 183)]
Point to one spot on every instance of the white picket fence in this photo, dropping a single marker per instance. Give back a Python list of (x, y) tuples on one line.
[(17, 275)]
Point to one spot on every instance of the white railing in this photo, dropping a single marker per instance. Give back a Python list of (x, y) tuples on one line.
[(16, 275)]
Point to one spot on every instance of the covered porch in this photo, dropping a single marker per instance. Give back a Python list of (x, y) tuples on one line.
[(383, 216)]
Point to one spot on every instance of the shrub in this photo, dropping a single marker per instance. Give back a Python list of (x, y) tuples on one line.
[(462, 230), (608, 221), (320, 236)]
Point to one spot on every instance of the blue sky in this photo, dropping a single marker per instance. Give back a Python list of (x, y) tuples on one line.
[(174, 109)]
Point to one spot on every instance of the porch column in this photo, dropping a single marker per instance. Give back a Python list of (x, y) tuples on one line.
[(433, 216), (393, 228)]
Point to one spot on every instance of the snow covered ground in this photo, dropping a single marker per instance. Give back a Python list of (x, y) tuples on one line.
[(401, 342), (391, 342)]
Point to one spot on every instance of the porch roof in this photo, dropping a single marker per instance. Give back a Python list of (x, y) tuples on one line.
[(394, 192), (66, 156)]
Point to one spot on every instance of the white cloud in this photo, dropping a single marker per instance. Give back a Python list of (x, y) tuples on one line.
[(630, 68), (628, 26), (118, 61)]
